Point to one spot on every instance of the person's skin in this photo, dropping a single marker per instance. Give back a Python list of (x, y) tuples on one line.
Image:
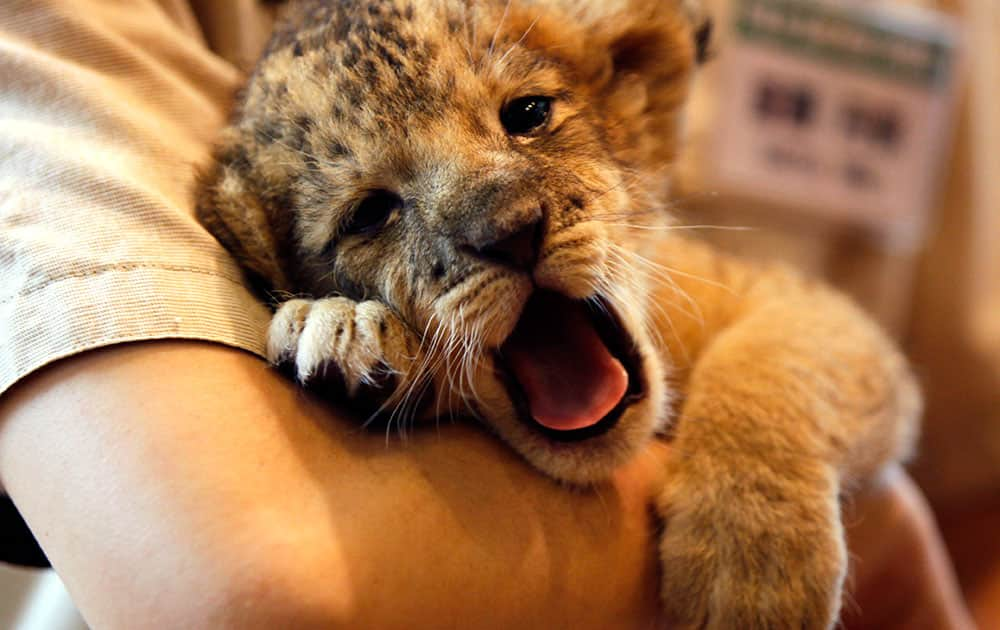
[(901, 576), (180, 484)]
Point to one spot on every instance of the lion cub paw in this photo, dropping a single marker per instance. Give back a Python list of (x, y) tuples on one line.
[(363, 345), (749, 559)]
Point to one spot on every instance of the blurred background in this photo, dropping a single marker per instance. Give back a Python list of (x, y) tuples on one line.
[(857, 140)]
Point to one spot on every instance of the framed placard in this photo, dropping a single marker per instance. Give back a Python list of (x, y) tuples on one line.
[(837, 108)]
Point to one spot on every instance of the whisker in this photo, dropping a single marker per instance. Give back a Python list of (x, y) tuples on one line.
[(493, 41), (667, 228), (664, 277), (670, 270), (503, 57)]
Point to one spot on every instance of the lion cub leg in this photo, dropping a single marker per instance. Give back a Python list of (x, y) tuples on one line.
[(365, 346), (793, 405), (749, 548)]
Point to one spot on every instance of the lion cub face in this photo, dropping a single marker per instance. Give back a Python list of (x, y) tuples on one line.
[(490, 171)]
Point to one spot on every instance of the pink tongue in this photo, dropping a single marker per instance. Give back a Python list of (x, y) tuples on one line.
[(569, 377)]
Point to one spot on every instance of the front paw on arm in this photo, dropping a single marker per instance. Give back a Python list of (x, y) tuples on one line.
[(360, 352)]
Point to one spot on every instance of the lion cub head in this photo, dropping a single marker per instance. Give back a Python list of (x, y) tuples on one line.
[(490, 170)]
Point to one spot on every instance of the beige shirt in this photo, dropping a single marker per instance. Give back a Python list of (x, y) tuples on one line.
[(107, 108)]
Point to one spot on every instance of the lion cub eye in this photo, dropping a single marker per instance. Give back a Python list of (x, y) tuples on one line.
[(526, 114), (373, 212)]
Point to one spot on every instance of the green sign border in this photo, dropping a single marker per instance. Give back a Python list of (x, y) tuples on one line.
[(879, 35)]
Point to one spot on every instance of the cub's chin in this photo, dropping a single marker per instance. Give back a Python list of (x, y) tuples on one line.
[(575, 388)]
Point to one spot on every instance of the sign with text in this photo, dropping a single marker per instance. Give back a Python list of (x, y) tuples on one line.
[(836, 108)]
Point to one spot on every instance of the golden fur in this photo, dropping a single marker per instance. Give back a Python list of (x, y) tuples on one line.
[(780, 396)]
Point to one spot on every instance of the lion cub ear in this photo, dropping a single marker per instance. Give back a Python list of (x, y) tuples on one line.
[(703, 29), (659, 39), (652, 49), (703, 40), (252, 226)]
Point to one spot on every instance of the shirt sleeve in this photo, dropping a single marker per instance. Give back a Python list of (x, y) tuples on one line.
[(107, 111)]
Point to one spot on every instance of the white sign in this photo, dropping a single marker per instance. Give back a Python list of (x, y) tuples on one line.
[(835, 108)]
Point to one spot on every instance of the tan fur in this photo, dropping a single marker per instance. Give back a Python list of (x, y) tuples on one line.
[(780, 396)]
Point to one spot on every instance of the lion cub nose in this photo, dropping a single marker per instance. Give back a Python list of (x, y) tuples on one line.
[(517, 248)]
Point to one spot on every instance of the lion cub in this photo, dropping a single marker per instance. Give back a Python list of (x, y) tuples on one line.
[(469, 199)]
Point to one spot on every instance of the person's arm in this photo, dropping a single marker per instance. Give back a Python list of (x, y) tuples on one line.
[(180, 484), (901, 576)]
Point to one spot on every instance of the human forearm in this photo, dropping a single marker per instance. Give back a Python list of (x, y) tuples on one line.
[(203, 489), (901, 576)]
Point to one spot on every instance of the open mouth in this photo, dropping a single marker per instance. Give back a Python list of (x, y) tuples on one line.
[(570, 367)]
